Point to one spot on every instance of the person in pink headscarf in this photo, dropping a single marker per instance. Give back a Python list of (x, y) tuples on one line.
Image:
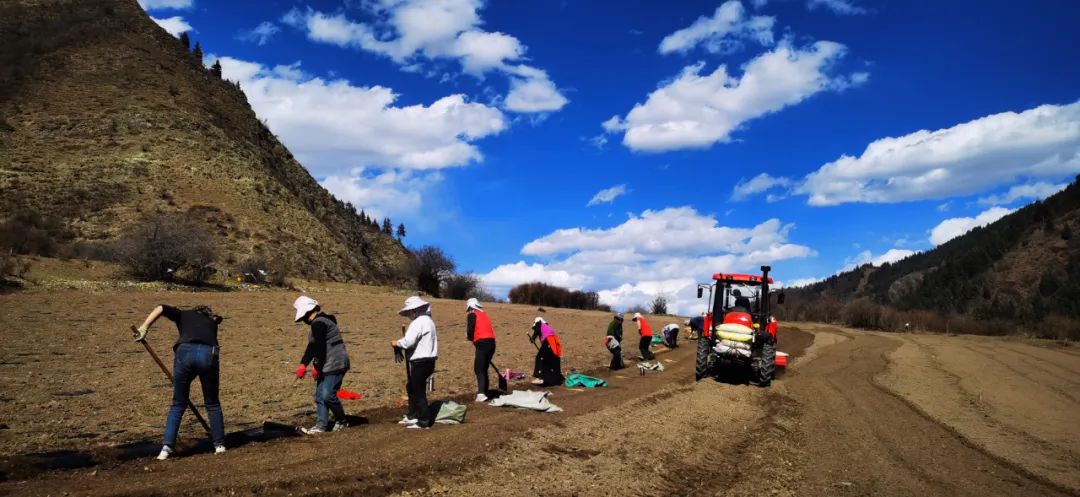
[(548, 366)]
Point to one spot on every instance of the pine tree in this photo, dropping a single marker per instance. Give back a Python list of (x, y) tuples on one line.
[(387, 226), (185, 41), (400, 231), (216, 68), (198, 52)]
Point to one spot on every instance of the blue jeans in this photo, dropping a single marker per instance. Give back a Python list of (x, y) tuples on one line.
[(326, 399), (195, 360)]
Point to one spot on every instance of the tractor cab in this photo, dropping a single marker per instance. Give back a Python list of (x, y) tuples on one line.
[(741, 299)]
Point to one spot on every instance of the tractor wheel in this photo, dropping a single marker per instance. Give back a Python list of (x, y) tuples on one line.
[(701, 365), (766, 364)]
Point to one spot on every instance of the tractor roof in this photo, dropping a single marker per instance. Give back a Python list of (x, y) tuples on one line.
[(749, 279)]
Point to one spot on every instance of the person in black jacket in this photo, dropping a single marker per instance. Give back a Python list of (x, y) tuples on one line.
[(329, 363), (614, 332), (195, 356)]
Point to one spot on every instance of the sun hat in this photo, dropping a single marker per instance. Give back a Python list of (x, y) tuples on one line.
[(473, 304), (637, 315), (412, 303), (539, 320), (303, 306), (619, 317)]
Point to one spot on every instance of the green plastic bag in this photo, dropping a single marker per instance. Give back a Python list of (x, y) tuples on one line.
[(580, 380)]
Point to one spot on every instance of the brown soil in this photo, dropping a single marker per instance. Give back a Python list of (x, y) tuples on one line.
[(826, 427)]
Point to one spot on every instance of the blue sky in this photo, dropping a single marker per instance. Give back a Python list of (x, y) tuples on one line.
[(714, 136)]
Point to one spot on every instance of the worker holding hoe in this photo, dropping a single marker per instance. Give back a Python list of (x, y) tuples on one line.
[(548, 365), (329, 363), (196, 356), (645, 344), (478, 330), (421, 345), (613, 342)]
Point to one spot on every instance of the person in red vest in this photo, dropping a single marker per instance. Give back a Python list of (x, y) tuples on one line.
[(646, 337), (478, 330)]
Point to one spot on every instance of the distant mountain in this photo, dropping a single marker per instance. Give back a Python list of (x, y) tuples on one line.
[(105, 118), (1023, 267)]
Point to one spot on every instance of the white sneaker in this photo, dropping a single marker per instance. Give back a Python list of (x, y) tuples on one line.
[(340, 425), (314, 430), (166, 451), (219, 449), (417, 427), (406, 420), (481, 397), (538, 381)]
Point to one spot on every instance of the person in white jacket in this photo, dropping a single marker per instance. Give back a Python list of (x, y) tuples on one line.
[(421, 346)]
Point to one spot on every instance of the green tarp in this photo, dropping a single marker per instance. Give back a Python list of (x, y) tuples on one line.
[(580, 380)]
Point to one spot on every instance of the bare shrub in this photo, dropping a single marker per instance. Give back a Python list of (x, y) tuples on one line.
[(862, 313), (160, 247), (460, 286), (659, 305), (1058, 327), (30, 233), (432, 265), (543, 294)]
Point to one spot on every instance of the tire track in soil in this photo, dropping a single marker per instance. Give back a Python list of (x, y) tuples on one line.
[(864, 440), (985, 412), (1023, 371)]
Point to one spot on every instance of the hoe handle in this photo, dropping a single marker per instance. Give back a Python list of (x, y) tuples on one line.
[(169, 375)]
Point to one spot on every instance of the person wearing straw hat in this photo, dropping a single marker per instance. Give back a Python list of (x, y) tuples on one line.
[(421, 344), (548, 366), (478, 330), (329, 363)]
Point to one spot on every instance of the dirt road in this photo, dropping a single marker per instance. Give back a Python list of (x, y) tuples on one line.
[(857, 414)]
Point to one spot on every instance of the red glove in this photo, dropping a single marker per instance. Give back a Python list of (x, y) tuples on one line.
[(314, 373), (300, 370)]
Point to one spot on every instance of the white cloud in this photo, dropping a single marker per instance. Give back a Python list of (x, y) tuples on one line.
[(533, 92), (842, 7), (410, 32), (607, 195), (696, 110), (1039, 190), (722, 33), (669, 231), (954, 227), (166, 4), (866, 257), (386, 193), (800, 282), (260, 34), (760, 183), (657, 253), (333, 126), (1043, 142), (508, 275), (173, 25)]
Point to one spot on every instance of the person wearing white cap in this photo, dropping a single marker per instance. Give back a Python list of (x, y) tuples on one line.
[(329, 363), (645, 344), (421, 344), (478, 330), (548, 366)]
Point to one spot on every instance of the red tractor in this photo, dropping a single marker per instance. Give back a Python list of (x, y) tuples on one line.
[(745, 338)]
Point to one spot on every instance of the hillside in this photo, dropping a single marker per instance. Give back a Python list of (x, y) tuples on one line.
[(106, 119), (1025, 266)]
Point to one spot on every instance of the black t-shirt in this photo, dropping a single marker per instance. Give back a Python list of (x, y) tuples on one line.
[(194, 327)]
